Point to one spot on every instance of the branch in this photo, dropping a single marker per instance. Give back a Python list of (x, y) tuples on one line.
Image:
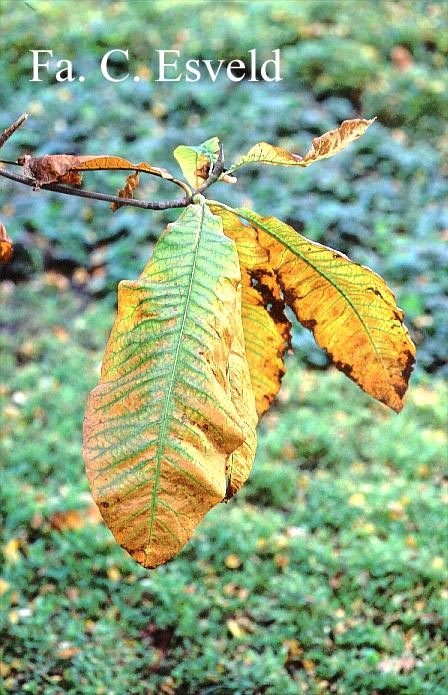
[(12, 129), (215, 173), (93, 195)]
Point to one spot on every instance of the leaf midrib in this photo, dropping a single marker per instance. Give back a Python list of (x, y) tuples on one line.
[(164, 418)]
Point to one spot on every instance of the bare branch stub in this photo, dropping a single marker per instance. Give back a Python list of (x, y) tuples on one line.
[(12, 129), (215, 173)]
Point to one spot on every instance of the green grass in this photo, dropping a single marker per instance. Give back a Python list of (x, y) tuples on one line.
[(325, 574)]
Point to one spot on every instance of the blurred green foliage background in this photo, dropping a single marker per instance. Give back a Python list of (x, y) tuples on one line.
[(326, 573)]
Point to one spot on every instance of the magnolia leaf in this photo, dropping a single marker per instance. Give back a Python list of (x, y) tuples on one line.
[(6, 246), (196, 162), (240, 461), (266, 329), (161, 425), (127, 191), (325, 145), (55, 167), (349, 308)]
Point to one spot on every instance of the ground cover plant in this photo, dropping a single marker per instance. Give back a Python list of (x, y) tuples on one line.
[(326, 573)]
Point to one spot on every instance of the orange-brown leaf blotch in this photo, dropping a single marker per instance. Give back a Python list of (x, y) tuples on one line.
[(348, 307), (267, 331), (6, 245)]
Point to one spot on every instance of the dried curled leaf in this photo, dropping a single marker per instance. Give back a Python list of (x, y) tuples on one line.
[(161, 425), (325, 145), (349, 308), (6, 245), (127, 191), (267, 331), (196, 162), (53, 168)]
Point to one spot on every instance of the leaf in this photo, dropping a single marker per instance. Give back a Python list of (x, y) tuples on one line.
[(266, 329), (128, 190), (234, 629), (11, 551), (6, 245), (348, 307), (326, 145), (67, 651), (240, 461), (72, 178), (56, 167), (161, 424), (196, 162)]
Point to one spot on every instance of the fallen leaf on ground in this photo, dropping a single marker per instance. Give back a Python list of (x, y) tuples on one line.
[(67, 520)]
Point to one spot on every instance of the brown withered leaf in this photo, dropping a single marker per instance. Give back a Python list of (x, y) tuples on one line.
[(53, 168), (6, 245), (127, 191), (267, 331), (50, 168), (161, 424), (325, 145), (349, 308)]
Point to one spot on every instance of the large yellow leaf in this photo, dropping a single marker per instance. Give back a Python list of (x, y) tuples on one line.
[(325, 145), (266, 328), (349, 308), (161, 425)]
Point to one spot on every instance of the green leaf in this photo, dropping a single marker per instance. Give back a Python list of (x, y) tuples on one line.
[(161, 425), (196, 162)]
